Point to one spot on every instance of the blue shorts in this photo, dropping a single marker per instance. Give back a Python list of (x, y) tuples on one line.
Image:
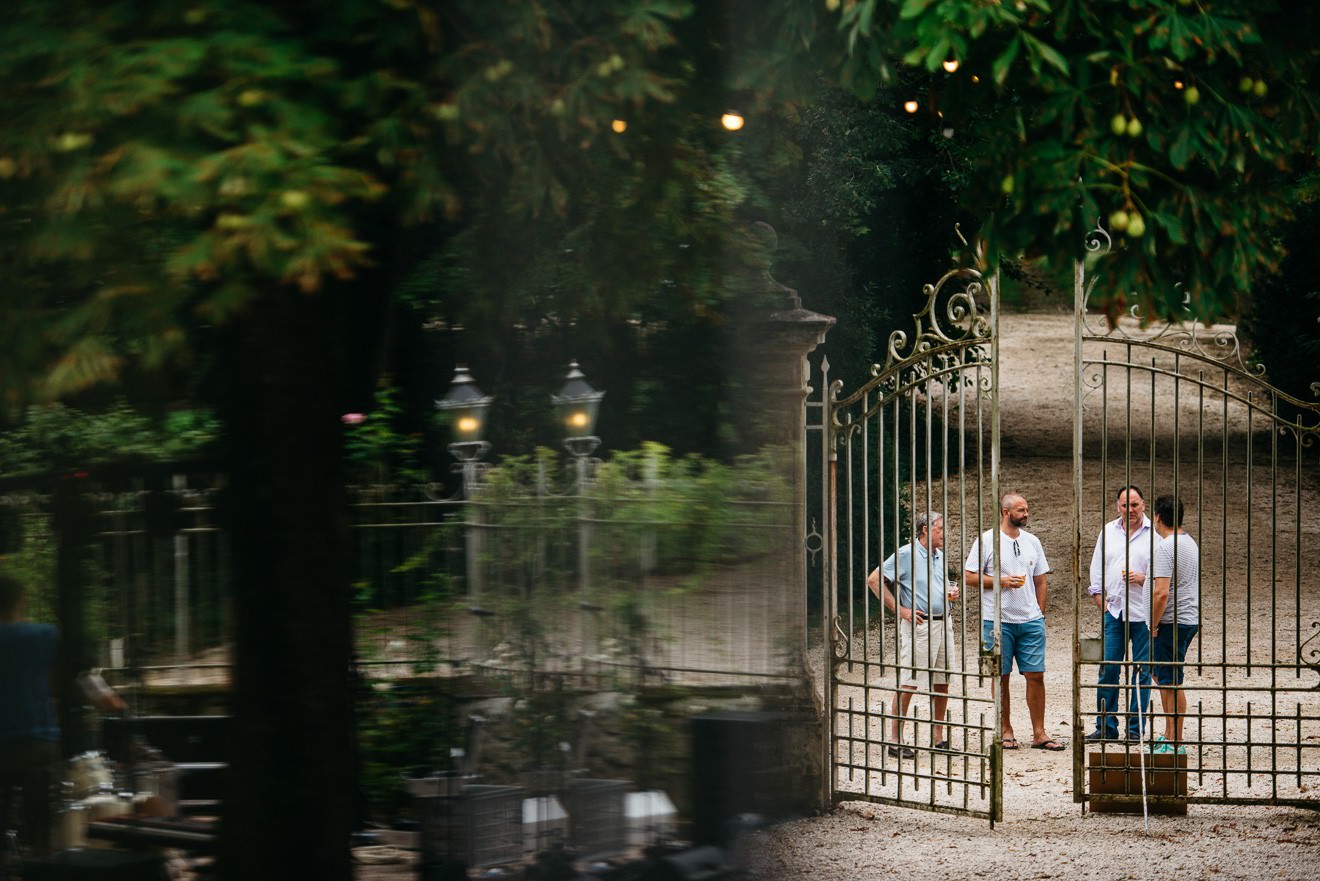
[(1162, 652), (1025, 641)]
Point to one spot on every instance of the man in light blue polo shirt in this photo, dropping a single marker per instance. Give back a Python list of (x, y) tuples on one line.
[(925, 629)]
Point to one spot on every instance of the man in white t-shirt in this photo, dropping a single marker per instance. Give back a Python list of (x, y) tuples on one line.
[(1022, 583), (1175, 614)]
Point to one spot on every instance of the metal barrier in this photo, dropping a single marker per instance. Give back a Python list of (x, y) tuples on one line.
[(1175, 409), (921, 436), (627, 577)]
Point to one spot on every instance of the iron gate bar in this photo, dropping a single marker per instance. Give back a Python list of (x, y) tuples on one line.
[(1255, 719), (925, 374)]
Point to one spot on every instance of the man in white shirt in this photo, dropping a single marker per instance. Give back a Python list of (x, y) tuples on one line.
[(923, 608), (1175, 613), (1022, 583), (1119, 567)]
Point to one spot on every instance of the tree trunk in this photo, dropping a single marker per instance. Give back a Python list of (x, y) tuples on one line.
[(288, 807)]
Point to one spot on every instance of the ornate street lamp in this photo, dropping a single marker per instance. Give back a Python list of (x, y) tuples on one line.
[(468, 404), (577, 406)]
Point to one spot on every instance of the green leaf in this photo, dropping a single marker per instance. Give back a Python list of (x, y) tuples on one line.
[(999, 69), (1172, 226), (937, 54), (1180, 150), (1180, 42), (867, 16), (1047, 53), (913, 8)]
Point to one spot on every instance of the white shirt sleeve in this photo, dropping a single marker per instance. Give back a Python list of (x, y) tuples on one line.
[(1043, 565), (1097, 586), (973, 563)]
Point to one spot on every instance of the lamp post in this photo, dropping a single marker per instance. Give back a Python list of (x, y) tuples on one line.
[(577, 406), (468, 405)]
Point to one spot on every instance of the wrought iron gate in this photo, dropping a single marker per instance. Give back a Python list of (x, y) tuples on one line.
[(921, 436), (1175, 409)]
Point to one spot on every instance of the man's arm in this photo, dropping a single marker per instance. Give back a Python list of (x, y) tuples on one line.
[(875, 582), (1097, 586), (1141, 567), (981, 580), (972, 577), (1159, 598), (886, 596), (99, 693), (986, 581), (1042, 589)]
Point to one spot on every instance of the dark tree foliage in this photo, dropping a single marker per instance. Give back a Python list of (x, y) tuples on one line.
[(1179, 124), (1283, 319), (866, 221)]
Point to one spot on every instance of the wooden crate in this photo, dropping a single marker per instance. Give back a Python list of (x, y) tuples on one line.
[(1114, 782)]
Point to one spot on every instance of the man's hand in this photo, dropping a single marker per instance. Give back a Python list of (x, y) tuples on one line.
[(916, 616)]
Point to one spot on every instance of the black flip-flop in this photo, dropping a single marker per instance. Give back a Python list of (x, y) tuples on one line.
[(1011, 743), (1050, 744)]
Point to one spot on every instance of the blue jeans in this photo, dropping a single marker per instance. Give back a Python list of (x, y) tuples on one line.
[(1106, 696), (28, 763)]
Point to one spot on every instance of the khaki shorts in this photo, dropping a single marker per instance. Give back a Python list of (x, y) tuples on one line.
[(924, 651)]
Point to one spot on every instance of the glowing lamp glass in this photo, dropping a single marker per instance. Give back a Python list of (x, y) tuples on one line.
[(467, 406), (577, 404)]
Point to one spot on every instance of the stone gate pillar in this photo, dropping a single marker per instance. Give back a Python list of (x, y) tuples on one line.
[(773, 339)]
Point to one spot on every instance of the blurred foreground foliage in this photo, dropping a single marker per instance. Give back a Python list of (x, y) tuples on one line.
[(54, 437)]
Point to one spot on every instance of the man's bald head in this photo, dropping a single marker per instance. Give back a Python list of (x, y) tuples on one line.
[(1013, 512)]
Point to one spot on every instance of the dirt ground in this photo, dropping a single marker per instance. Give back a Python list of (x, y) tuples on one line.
[(1261, 602)]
